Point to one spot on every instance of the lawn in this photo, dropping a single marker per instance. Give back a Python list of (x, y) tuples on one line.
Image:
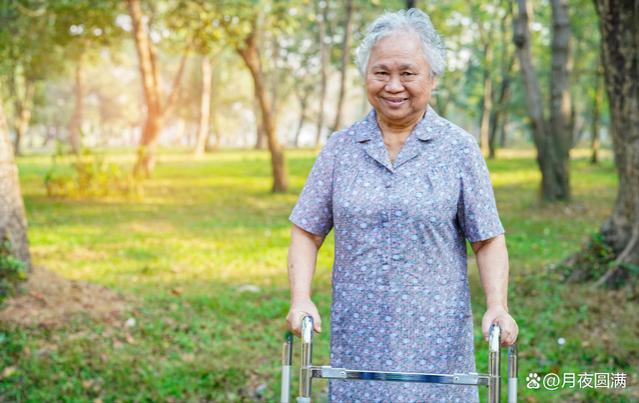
[(201, 258)]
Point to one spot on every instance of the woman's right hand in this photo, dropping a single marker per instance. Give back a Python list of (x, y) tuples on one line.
[(299, 309)]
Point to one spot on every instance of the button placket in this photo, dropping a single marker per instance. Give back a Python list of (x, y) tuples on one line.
[(395, 217), (387, 219)]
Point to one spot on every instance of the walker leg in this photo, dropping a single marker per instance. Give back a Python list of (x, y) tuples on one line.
[(512, 374), (287, 358), (306, 360), (494, 360)]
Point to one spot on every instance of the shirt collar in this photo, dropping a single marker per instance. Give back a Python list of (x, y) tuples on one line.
[(425, 129)]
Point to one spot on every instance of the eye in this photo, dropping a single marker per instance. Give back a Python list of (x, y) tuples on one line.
[(406, 73), (381, 73)]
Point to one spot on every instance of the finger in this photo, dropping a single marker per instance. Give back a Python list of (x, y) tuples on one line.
[(512, 337), (504, 338), (296, 326), (484, 329)]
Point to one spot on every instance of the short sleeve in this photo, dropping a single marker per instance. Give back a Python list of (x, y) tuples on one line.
[(313, 211), (476, 209)]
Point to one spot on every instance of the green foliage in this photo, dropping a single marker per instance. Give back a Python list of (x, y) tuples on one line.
[(89, 176), (12, 270)]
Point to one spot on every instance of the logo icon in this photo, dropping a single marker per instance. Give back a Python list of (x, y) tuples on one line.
[(532, 381)]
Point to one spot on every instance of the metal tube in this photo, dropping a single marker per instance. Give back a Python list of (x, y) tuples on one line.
[(306, 360), (494, 368), (287, 358), (328, 372), (512, 374)]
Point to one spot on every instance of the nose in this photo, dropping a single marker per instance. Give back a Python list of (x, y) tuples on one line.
[(394, 84)]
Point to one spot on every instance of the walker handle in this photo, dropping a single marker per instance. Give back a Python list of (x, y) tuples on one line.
[(494, 367), (306, 360)]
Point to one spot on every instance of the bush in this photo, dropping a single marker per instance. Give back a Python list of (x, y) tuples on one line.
[(12, 270), (88, 176)]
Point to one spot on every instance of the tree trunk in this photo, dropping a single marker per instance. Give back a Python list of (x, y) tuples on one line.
[(502, 131), (215, 135), (13, 221), (498, 116), (322, 15), (75, 124), (300, 124), (487, 104), (205, 106), (273, 74), (560, 97), (619, 25), (260, 138), (150, 84), (23, 107), (50, 133), (500, 112), (251, 57), (346, 46), (214, 138), (156, 112), (552, 139), (596, 116)]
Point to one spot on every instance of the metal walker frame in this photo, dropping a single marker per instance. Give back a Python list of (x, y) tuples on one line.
[(308, 371)]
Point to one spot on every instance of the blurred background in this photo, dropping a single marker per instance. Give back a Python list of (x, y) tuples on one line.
[(154, 150)]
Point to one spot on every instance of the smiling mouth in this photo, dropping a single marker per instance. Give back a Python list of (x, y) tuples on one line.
[(395, 101)]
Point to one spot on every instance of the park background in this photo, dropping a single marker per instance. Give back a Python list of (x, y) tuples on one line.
[(156, 148)]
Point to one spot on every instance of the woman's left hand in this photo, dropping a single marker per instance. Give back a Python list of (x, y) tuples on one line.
[(508, 326)]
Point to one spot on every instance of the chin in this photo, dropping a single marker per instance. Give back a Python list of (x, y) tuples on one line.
[(396, 113)]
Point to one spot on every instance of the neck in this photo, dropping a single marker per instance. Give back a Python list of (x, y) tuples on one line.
[(401, 128)]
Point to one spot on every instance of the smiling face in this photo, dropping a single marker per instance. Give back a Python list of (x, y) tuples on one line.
[(398, 79)]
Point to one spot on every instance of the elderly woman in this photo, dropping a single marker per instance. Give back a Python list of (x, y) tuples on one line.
[(403, 188)]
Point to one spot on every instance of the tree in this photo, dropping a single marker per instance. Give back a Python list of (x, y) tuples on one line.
[(553, 137), (27, 54), (597, 100), (590, 105), (322, 17), (13, 221), (196, 18), (243, 26), (156, 108), (619, 27), (205, 106), (82, 29), (486, 38), (499, 113), (346, 49)]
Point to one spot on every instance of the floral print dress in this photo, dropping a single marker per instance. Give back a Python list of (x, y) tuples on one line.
[(401, 300)]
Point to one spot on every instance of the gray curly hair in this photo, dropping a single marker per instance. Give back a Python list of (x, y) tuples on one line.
[(414, 20)]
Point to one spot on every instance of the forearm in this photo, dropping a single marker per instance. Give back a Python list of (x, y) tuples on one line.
[(492, 260), (302, 258)]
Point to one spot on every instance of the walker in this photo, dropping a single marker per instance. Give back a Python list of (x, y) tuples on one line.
[(309, 371)]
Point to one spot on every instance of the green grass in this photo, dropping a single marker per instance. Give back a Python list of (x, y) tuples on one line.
[(207, 226)]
